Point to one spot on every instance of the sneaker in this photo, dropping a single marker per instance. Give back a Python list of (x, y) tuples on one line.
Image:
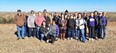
[(23, 38), (89, 39), (76, 38), (47, 41), (92, 39), (71, 38), (68, 38), (96, 38), (18, 38), (42, 40)]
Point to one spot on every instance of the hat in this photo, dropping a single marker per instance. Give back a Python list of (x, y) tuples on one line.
[(32, 11), (18, 10)]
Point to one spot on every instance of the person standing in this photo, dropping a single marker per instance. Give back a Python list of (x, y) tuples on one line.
[(91, 26), (71, 27), (62, 26), (99, 24), (31, 24), (56, 18), (48, 19), (96, 25), (19, 20), (38, 21), (104, 25), (80, 33)]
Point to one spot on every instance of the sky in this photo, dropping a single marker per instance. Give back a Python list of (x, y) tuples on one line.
[(58, 5)]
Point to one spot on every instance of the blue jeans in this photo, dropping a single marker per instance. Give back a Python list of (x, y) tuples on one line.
[(77, 33), (81, 34), (52, 34), (70, 33), (42, 36), (32, 32), (104, 32), (38, 32), (20, 31)]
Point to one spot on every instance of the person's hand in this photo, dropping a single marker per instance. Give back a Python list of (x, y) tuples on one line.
[(48, 28), (62, 24), (79, 25)]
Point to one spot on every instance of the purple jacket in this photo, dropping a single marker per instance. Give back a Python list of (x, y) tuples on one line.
[(104, 21)]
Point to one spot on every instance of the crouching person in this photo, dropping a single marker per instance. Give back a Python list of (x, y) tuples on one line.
[(20, 20), (43, 31), (53, 33)]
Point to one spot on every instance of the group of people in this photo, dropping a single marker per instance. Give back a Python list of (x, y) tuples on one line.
[(49, 27)]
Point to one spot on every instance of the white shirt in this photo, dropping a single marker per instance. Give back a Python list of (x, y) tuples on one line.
[(30, 21), (80, 22)]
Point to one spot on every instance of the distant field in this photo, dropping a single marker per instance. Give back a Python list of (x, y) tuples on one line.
[(7, 17)]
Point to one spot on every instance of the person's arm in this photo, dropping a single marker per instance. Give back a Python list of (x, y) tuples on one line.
[(84, 22), (96, 21), (65, 23), (106, 22), (41, 30), (15, 19), (59, 22), (28, 22), (75, 24)]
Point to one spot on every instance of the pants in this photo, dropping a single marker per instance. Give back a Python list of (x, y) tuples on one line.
[(20, 31), (91, 32), (77, 33), (103, 31), (26, 30), (96, 32), (51, 36), (70, 33), (37, 31), (32, 32), (42, 36), (81, 34)]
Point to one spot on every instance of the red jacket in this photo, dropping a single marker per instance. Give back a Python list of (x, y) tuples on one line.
[(39, 20)]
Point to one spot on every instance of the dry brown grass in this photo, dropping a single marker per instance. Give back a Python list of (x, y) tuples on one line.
[(6, 17), (10, 44)]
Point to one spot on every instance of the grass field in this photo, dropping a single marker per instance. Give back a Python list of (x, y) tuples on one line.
[(10, 44)]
